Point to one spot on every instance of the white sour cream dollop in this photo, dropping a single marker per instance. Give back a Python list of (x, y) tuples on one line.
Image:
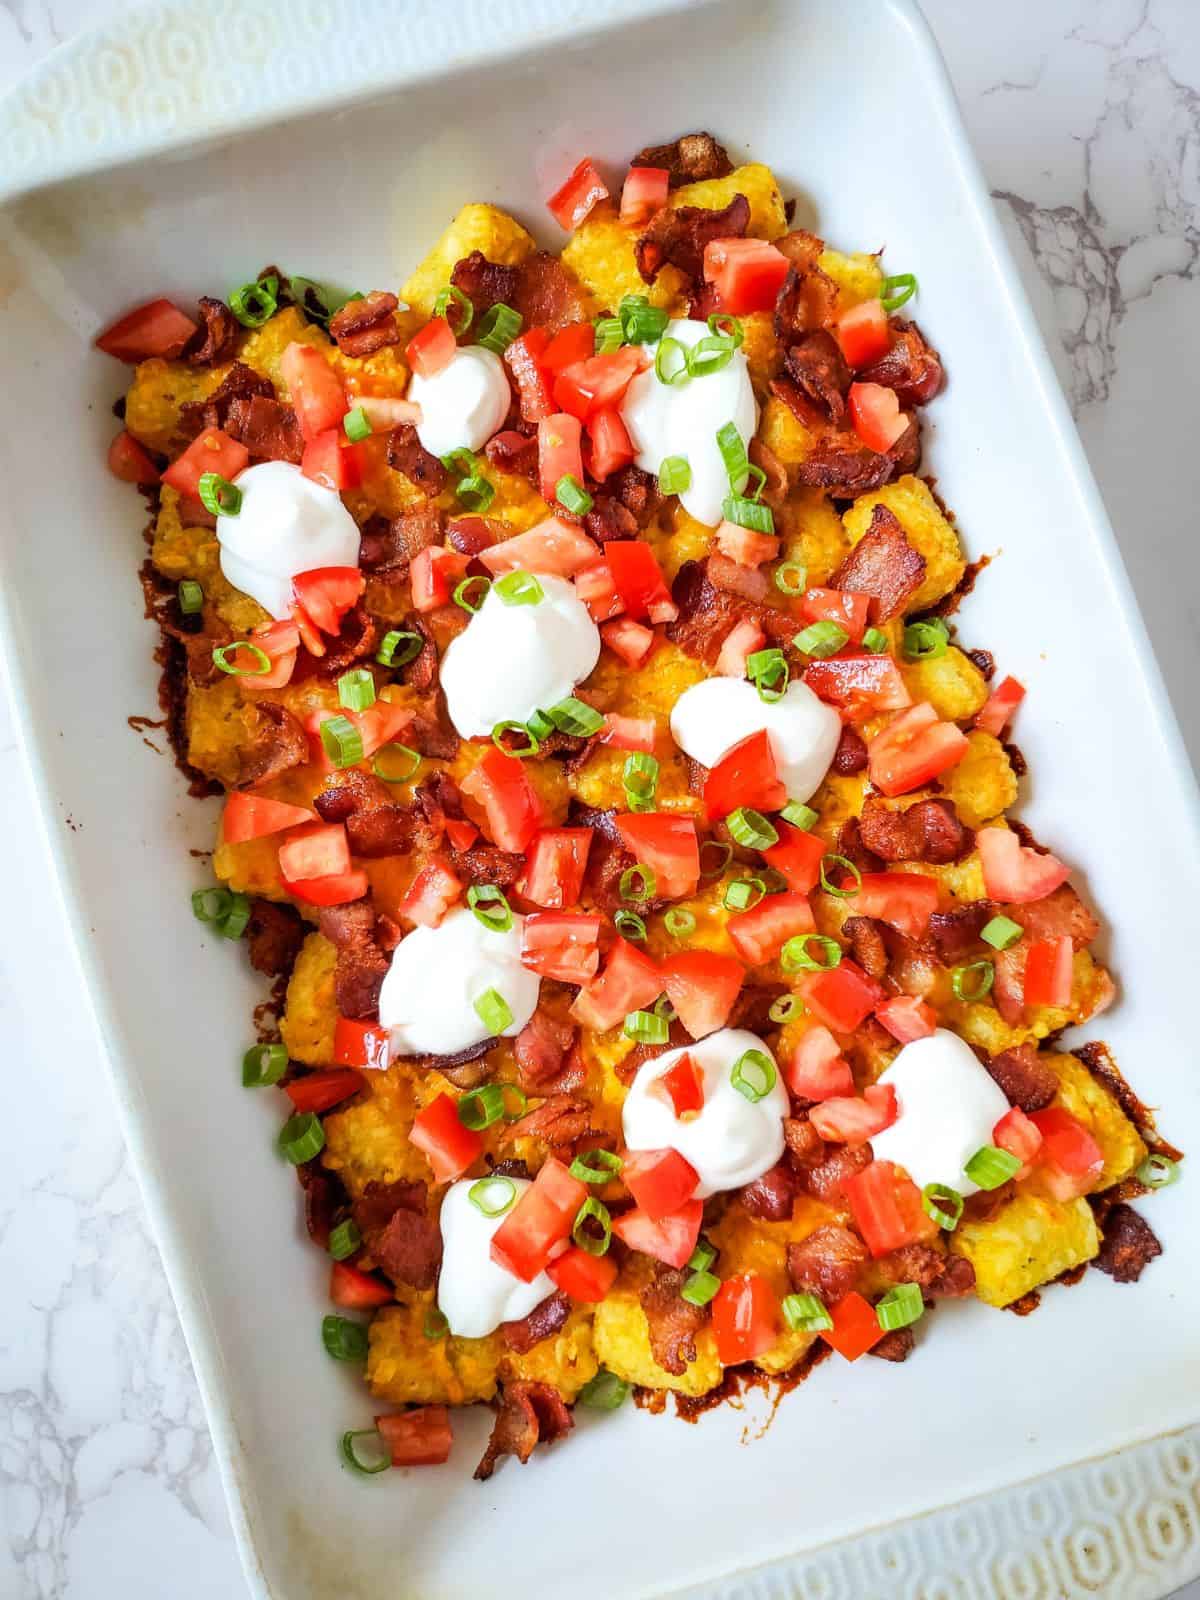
[(947, 1105), (712, 716), (428, 997), (682, 420), (464, 404), (511, 661), (732, 1140), (287, 524), (475, 1295)]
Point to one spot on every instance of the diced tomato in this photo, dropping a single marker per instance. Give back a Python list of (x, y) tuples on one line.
[(315, 852), (461, 834), (876, 415), (597, 383), (643, 193), (335, 889), (842, 999), (210, 451), (421, 1437), (629, 733), (556, 863), (1070, 1160), (611, 446), (322, 1090), (158, 328), (316, 390), (886, 1206), (853, 1120), (739, 644), (818, 1070), (542, 1217), (904, 900), (380, 724), (629, 641), (797, 856), (848, 609), (361, 1044), (449, 1146), (595, 587), (1001, 704), (511, 806), (251, 816), (684, 1085), (584, 1277), (630, 980), (671, 1239), (562, 944), (523, 358), (855, 1327), (745, 1318), (660, 1181), (668, 844), (585, 188), (428, 351), (129, 462), (575, 342), (1016, 874), (746, 273), (330, 460), (327, 593), (760, 934), (357, 1291), (743, 545), (639, 581), (384, 413), (745, 776), (559, 456), (863, 333), (912, 749), (434, 575), (1019, 1136), (553, 547), (860, 685), (702, 986), (1049, 970), (431, 894), (280, 643), (907, 1017)]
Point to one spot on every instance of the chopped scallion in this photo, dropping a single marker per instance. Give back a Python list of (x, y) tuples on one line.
[(344, 1240), (218, 495), (821, 639), (493, 1195), (263, 1064), (342, 741), (751, 829), (302, 1137), (494, 1011), (900, 1307), (753, 1075), (356, 689)]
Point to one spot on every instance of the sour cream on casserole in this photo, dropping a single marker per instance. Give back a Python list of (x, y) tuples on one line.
[(712, 716), (732, 1140), (287, 524), (513, 660), (464, 404), (948, 1106), (474, 1294), (683, 420), (428, 997)]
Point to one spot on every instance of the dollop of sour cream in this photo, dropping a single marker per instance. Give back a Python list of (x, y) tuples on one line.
[(287, 524), (682, 419), (710, 717), (731, 1140), (462, 405), (428, 997), (511, 661), (947, 1105), (475, 1294)]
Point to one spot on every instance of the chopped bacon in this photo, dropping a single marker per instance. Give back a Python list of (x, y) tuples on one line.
[(850, 844), (388, 546), (637, 491), (1058, 915), (408, 455), (867, 946), (691, 158), (828, 1263), (277, 744), (546, 1318), (548, 295), (770, 1196), (529, 1414), (609, 519), (839, 462), (911, 367), (928, 831), (816, 364), (404, 1241), (217, 339), (808, 298), (375, 825), (954, 934), (1026, 1079), (678, 237), (269, 429), (485, 283), (512, 451), (825, 1181), (736, 578), (541, 1049), (274, 935), (671, 1321), (708, 611), (896, 1345), (354, 639), (774, 490), (323, 1198), (805, 1146), (851, 753), (361, 963), (240, 382), (559, 1121), (365, 325), (941, 1275), (1127, 1245), (882, 564)]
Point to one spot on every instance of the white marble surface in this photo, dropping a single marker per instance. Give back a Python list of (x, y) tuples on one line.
[(1086, 115)]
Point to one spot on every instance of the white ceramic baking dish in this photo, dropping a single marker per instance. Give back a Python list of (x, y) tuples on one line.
[(849, 103)]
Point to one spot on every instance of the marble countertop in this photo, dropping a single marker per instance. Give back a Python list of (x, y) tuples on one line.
[(1086, 115)]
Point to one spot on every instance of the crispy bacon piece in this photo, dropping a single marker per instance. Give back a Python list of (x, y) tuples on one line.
[(529, 1414), (805, 1146), (485, 283), (882, 564), (559, 1121), (770, 1196), (361, 963), (397, 1231), (911, 367), (470, 535), (514, 451), (691, 158), (240, 382), (678, 237), (774, 490), (941, 1275), (466, 1069), (363, 326), (277, 744), (1127, 1246), (851, 753), (609, 519), (670, 1320), (541, 1049), (324, 1197), (954, 934), (375, 825), (548, 295), (408, 455), (274, 934), (269, 429), (817, 366), (1026, 1079), (928, 831), (839, 462), (828, 1263), (388, 546), (354, 639), (867, 944), (216, 339), (487, 863), (637, 491), (1058, 915), (850, 844), (824, 1182), (749, 582), (545, 1319), (708, 611), (808, 298), (988, 1203), (896, 1345)]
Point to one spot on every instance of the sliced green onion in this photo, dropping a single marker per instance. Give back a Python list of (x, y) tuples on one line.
[(743, 894), (785, 1008), (398, 647), (797, 957), (991, 1166), (235, 921), (491, 908), (571, 495), (821, 639), (396, 763), (479, 1108), (671, 363), (464, 307), (900, 1307), (703, 1256), (973, 982), (833, 888), (228, 912), (1001, 933), (710, 354), (637, 883), (875, 641), (223, 659), (675, 475), (646, 1027), (768, 672), (629, 925), (943, 1204), (753, 1074), (925, 641), (356, 424), (352, 1458), (610, 335), (585, 1238), (540, 726), (897, 290), (494, 1011), (700, 1288), (522, 752), (1157, 1171), (343, 1339), (791, 578), (302, 1137), (191, 597), (498, 327), (342, 741), (596, 1166), (733, 453), (519, 589), (435, 1325), (751, 829), (806, 1313), (218, 495), (640, 780), (492, 1195), (678, 923), (255, 303), (727, 326), (576, 717), (356, 689), (604, 1392), (344, 1240), (475, 493), (460, 463), (263, 1064), (724, 855), (663, 1008), (800, 815), (472, 592), (750, 514), (642, 322)]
